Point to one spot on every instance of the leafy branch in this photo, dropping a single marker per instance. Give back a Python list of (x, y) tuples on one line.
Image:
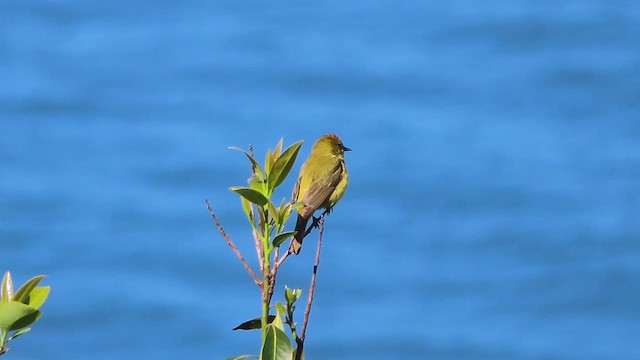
[(19, 309), (267, 223)]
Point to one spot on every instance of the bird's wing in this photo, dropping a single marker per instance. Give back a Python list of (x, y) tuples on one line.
[(320, 190), (296, 191)]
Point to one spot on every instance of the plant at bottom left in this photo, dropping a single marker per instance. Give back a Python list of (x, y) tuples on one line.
[(19, 309)]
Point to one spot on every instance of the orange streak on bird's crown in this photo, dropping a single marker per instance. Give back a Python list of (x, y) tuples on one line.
[(332, 136)]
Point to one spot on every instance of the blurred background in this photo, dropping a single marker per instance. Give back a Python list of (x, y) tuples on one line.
[(494, 199)]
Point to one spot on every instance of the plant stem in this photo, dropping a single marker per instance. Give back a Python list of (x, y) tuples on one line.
[(3, 341), (299, 349), (266, 284), (312, 288), (266, 272), (292, 324)]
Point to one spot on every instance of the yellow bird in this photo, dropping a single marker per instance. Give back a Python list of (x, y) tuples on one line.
[(322, 182)]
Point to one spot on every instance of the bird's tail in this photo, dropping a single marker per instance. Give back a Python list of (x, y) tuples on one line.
[(301, 228)]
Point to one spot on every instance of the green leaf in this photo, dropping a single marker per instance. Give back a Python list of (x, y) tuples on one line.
[(256, 166), (280, 312), (278, 211), (283, 165), (242, 357), (276, 346), (6, 291), (268, 161), (271, 215), (261, 220), (280, 238), (248, 210), (18, 333), (38, 296), (13, 312), (288, 295), (278, 148), (280, 309), (283, 213), (23, 293), (253, 323), (272, 155), (26, 320), (250, 194), (292, 295), (256, 183), (273, 208)]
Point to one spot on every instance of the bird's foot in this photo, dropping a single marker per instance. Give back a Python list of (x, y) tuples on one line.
[(316, 221)]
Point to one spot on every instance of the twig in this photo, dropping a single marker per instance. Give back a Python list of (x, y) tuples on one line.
[(259, 249), (276, 253), (279, 262), (253, 167), (232, 245), (274, 271), (316, 221), (312, 287)]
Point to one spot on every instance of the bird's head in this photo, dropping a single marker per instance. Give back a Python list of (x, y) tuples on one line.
[(332, 143)]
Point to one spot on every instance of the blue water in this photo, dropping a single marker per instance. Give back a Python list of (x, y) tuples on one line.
[(494, 199)]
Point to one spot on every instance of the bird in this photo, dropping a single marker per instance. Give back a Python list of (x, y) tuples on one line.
[(322, 183)]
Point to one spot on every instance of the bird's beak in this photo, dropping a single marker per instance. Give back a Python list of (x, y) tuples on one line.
[(344, 148)]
